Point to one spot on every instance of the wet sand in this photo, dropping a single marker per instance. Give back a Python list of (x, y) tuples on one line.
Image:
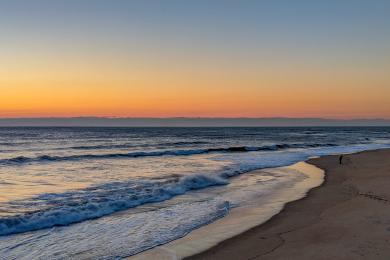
[(348, 217), (255, 211)]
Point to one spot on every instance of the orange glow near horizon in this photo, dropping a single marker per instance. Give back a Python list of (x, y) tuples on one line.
[(168, 90)]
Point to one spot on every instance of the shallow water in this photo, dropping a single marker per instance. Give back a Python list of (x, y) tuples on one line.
[(169, 181)]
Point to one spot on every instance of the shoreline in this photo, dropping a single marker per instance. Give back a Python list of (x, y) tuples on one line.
[(346, 217), (241, 219)]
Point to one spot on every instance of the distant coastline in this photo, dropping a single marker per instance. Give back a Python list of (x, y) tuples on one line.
[(187, 122)]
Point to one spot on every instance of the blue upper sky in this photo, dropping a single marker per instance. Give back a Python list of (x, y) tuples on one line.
[(206, 25)]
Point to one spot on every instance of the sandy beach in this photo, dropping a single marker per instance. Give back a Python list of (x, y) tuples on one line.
[(348, 217)]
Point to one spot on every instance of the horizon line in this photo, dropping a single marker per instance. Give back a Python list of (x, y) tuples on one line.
[(190, 117), (186, 122)]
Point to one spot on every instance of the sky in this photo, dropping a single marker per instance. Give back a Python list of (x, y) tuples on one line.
[(144, 58)]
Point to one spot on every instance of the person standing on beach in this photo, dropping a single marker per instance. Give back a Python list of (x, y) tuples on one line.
[(341, 159)]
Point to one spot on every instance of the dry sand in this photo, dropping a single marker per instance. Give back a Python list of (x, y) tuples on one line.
[(348, 217)]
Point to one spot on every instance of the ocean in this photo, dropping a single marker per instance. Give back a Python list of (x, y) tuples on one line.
[(108, 193)]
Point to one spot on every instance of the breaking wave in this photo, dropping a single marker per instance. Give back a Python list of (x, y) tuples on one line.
[(58, 209), (186, 152)]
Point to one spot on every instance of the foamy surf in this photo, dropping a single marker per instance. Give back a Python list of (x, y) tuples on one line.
[(251, 198), (81, 185), (60, 209), (19, 160), (117, 236), (254, 212)]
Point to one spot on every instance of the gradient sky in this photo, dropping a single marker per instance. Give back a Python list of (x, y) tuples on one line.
[(195, 58)]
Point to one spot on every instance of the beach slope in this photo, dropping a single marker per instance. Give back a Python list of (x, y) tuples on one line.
[(348, 217)]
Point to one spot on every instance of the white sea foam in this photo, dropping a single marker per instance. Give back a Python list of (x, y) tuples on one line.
[(113, 237), (181, 152), (72, 207), (144, 227), (75, 206)]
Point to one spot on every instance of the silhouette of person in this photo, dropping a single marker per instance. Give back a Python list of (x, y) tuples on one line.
[(341, 159)]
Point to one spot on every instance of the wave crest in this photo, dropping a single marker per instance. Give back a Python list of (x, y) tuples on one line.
[(52, 158), (97, 201)]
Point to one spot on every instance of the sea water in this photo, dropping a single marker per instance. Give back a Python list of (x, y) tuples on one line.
[(107, 193)]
